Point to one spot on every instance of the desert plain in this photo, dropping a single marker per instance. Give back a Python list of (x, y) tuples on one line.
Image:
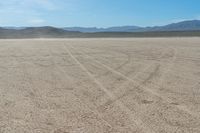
[(98, 85)]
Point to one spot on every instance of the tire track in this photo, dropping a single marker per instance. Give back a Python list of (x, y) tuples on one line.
[(129, 56), (166, 99), (35, 96), (120, 66), (133, 117), (170, 66), (95, 112)]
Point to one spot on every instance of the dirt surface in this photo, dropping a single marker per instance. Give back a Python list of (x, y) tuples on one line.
[(146, 85)]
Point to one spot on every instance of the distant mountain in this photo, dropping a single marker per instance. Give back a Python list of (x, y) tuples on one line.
[(181, 26), (122, 28), (185, 28), (36, 32), (190, 25), (110, 29), (83, 29)]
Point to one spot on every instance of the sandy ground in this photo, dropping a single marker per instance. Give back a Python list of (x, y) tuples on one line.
[(147, 85)]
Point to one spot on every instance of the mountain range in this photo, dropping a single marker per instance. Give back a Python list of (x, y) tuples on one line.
[(110, 29), (180, 26), (191, 27)]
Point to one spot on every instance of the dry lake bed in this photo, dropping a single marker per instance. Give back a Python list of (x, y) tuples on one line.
[(113, 85)]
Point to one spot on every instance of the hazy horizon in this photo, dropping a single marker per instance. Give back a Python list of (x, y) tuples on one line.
[(96, 13)]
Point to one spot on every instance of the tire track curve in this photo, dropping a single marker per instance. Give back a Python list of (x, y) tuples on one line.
[(133, 117), (166, 99)]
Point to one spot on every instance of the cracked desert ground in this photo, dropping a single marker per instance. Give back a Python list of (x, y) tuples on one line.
[(127, 85)]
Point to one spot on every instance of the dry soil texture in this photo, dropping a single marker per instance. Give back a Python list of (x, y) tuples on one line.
[(146, 85)]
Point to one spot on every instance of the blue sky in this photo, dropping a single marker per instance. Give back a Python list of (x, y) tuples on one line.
[(99, 13)]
